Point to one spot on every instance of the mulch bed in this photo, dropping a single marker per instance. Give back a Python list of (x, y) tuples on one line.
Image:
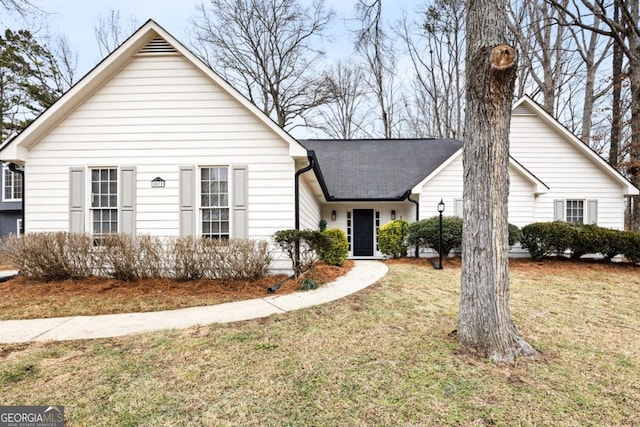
[(27, 289)]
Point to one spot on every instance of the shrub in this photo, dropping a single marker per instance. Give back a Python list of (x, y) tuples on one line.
[(151, 258), (304, 243), (425, 233), (120, 256), (184, 260), (206, 258), (515, 234), (547, 238), (561, 236), (391, 238), (241, 259), (614, 244), (630, 245), (322, 225), (336, 250), (589, 239), (535, 240), (308, 284), (61, 255), (50, 255)]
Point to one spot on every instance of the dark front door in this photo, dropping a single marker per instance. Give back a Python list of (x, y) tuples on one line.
[(362, 232)]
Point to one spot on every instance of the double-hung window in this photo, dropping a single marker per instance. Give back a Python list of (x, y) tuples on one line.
[(104, 201), (11, 185), (575, 211), (214, 202)]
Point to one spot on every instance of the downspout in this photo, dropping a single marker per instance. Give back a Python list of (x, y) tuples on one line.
[(299, 172), (14, 168), (417, 254), (310, 157)]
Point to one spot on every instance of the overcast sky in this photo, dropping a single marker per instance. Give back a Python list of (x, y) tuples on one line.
[(76, 20)]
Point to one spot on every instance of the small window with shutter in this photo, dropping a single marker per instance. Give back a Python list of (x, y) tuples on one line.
[(104, 201), (214, 202)]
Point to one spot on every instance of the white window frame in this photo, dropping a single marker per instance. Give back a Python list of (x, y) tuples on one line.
[(220, 234), (568, 204), (18, 226), (90, 194), (5, 171)]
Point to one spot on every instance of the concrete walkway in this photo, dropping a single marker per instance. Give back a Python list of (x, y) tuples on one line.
[(363, 274)]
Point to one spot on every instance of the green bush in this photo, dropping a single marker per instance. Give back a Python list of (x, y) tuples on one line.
[(515, 234), (308, 284), (535, 240), (304, 243), (336, 250), (630, 244), (425, 233), (547, 238), (561, 236), (391, 238), (554, 238), (589, 239), (614, 245)]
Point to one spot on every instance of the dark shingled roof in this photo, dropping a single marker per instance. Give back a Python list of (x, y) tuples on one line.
[(378, 169)]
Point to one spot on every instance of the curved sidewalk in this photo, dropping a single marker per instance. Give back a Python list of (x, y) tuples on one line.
[(363, 274)]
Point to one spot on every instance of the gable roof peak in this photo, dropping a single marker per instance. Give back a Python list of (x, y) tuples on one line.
[(149, 39)]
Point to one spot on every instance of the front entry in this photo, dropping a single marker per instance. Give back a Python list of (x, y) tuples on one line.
[(363, 232)]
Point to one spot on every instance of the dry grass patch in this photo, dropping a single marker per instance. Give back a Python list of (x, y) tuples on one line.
[(22, 298), (381, 357)]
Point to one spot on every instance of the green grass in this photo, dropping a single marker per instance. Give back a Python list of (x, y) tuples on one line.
[(382, 357)]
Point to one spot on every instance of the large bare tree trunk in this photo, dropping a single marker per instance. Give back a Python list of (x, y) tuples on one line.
[(616, 107), (485, 326)]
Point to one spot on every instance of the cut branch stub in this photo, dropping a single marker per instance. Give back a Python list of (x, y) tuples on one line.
[(503, 57)]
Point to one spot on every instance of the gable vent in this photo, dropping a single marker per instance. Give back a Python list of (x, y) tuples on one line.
[(523, 111), (157, 45)]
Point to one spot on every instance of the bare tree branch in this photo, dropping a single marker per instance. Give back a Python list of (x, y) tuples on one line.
[(267, 47)]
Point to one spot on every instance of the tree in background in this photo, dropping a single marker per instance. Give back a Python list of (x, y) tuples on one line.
[(31, 80), (266, 49), (485, 326), (435, 46), (373, 44), (344, 115), (22, 7), (110, 32), (625, 32)]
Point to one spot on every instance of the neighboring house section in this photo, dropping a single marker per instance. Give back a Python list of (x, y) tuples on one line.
[(11, 203)]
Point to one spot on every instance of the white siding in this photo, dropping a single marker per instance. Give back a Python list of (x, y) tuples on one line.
[(521, 199), (567, 172), (309, 206), (447, 185), (160, 113)]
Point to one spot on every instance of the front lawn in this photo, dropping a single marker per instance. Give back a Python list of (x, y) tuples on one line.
[(382, 357)]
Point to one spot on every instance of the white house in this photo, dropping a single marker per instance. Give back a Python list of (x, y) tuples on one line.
[(152, 141)]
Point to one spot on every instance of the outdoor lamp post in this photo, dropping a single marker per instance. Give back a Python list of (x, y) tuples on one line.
[(440, 210)]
